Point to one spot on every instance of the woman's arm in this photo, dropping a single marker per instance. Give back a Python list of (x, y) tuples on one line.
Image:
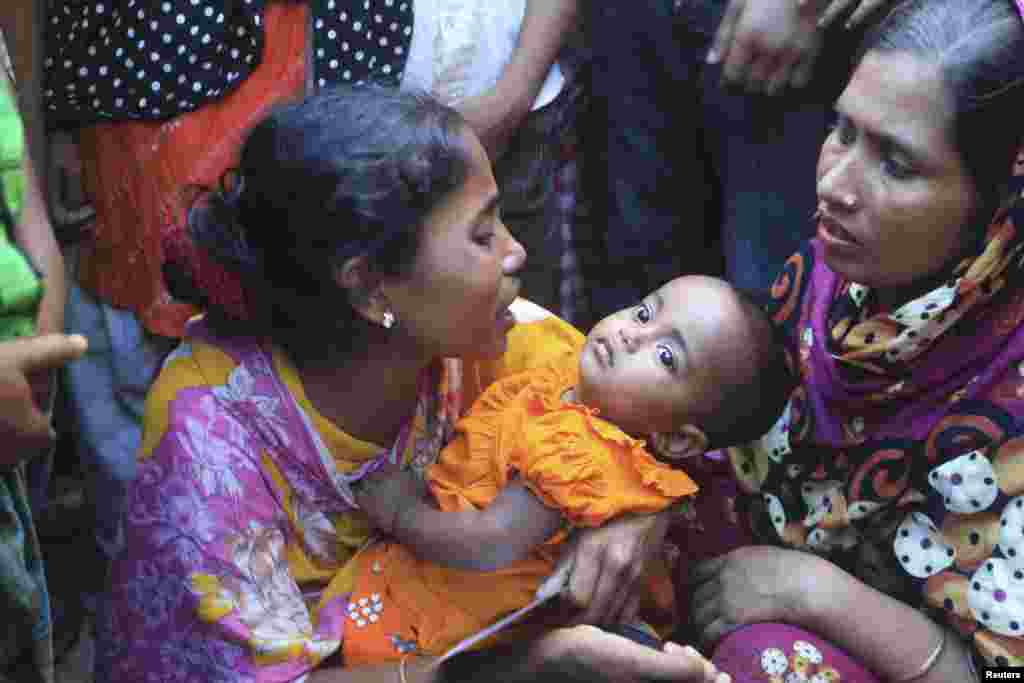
[(483, 540), (34, 234), (582, 654), (33, 231), (762, 583), (891, 638), (496, 114), (480, 540)]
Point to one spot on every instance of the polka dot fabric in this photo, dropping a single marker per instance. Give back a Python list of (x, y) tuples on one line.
[(154, 59), (360, 41)]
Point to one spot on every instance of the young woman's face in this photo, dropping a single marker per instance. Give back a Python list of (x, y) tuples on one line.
[(894, 198), (455, 301)]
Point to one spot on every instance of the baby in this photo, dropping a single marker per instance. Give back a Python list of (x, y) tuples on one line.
[(693, 366)]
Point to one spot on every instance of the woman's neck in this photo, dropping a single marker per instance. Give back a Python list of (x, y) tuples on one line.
[(891, 298), (369, 394)]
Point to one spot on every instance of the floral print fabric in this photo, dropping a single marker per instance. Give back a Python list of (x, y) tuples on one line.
[(242, 535), (232, 527), (899, 455)]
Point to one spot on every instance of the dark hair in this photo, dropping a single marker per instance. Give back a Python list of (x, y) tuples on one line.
[(749, 405), (979, 48), (343, 173)]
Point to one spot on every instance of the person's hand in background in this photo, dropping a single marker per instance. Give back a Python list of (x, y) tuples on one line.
[(24, 428)]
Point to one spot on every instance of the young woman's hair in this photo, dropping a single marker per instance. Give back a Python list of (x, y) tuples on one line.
[(979, 47), (344, 173)]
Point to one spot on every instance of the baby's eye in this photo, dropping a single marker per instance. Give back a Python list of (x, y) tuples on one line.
[(643, 313), (666, 357)]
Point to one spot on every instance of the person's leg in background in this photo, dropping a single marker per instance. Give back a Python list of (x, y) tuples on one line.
[(647, 181)]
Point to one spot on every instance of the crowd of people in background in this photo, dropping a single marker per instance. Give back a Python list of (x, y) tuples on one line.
[(352, 320)]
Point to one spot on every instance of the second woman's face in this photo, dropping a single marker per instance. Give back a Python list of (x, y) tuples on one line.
[(894, 198), (455, 301)]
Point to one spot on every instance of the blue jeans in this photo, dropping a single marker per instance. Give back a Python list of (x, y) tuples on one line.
[(676, 163)]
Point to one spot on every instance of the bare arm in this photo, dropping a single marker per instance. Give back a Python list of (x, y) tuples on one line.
[(764, 583), (890, 637), (481, 540), (570, 655), (496, 114), (381, 673), (19, 20), (544, 30), (33, 232)]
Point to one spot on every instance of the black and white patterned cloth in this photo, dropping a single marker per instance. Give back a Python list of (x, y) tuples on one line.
[(154, 59)]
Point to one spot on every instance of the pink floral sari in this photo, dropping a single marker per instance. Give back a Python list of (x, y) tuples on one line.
[(241, 530)]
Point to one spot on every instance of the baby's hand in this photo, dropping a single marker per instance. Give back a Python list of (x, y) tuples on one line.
[(387, 494)]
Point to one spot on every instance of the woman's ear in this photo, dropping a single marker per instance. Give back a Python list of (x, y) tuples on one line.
[(362, 289), (688, 441)]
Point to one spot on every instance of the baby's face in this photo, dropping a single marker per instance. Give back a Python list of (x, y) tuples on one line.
[(648, 368)]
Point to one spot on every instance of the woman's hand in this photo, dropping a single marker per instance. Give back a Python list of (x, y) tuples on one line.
[(586, 653), (752, 584), (608, 561)]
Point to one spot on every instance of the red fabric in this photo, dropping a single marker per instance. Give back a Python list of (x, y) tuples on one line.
[(139, 176)]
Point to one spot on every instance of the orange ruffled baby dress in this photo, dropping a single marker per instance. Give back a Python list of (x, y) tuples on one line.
[(569, 457)]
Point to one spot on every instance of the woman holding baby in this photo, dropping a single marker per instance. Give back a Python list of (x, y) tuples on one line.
[(365, 226), (367, 230)]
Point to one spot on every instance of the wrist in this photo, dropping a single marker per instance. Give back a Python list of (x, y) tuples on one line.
[(817, 587), (419, 670)]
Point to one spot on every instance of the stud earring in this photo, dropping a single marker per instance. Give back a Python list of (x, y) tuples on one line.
[(389, 320)]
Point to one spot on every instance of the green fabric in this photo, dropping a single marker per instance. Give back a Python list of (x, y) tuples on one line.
[(20, 286), (12, 153), (26, 647)]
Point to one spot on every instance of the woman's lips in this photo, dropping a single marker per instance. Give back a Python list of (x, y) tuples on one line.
[(831, 230)]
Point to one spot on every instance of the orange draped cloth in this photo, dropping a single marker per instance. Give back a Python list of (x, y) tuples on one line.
[(139, 176), (571, 459)]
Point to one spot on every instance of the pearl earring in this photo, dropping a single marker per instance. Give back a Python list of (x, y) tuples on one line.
[(389, 320)]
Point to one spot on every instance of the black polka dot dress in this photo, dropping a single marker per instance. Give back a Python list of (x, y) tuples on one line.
[(154, 59)]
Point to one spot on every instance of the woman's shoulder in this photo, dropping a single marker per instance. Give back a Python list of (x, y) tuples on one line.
[(196, 365)]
